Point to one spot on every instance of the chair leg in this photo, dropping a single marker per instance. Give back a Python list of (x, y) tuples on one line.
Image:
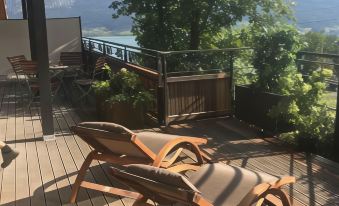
[(81, 175), (84, 93), (141, 202)]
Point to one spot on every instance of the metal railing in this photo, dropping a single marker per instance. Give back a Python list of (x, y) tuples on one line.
[(168, 64)]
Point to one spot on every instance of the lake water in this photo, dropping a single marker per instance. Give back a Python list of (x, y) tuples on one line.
[(128, 40)]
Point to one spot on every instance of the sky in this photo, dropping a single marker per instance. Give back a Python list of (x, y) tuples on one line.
[(319, 15)]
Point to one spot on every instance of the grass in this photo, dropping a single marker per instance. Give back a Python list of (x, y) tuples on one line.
[(330, 99)]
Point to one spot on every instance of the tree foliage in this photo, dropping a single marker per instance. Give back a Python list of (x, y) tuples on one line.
[(275, 50), (191, 24)]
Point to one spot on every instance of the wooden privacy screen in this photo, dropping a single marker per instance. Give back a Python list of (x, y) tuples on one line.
[(198, 96)]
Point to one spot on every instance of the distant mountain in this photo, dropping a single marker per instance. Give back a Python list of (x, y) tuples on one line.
[(96, 16), (318, 15)]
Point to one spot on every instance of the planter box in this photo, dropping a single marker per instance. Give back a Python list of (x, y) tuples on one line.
[(120, 113), (253, 107)]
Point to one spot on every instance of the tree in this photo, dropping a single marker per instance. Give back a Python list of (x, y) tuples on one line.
[(191, 24)]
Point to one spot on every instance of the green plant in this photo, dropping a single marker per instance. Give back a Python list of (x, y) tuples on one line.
[(275, 50), (306, 110), (123, 87)]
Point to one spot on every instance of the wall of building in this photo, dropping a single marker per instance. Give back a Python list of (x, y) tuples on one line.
[(63, 35)]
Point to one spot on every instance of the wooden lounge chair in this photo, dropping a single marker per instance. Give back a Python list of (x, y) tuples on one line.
[(212, 184), (116, 144)]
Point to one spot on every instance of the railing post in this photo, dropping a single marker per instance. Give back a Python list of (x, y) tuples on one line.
[(231, 85), (300, 66), (90, 50), (160, 92), (104, 49), (125, 54), (165, 95), (336, 128)]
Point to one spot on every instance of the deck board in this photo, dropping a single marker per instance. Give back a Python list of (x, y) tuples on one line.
[(44, 172)]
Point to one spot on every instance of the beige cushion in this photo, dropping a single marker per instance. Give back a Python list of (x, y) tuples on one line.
[(107, 126), (153, 182), (227, 185), (119, 141), (155, 141), (161, 175)]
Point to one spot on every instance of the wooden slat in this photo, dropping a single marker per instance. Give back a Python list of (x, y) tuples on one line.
[(3, 120), (36, 190), (96, 197), (96, 167), (21, 171), (199, 96), (68, 165), (73, 119), (8, 181), (47, 175)]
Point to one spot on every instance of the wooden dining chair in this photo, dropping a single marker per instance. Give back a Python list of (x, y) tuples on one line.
[(22, 69), (74, 61), (84, 84)]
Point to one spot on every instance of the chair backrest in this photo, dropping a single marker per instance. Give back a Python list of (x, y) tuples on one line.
[(29, 67), (15, 62), (99, 65), (109, 138), (70, 58)]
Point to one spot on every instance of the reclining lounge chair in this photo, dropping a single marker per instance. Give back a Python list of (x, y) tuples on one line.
[(212, 184), (116, 144)]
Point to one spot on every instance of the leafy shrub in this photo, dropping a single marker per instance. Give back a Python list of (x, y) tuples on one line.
[(123, 87), (305, 109), (275, 50)]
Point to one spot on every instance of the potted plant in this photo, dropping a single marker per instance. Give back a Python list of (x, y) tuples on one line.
[(275, 50), (122, 99)]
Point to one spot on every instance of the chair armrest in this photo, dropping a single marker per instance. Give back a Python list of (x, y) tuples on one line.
[(263, 189), (181, 142)]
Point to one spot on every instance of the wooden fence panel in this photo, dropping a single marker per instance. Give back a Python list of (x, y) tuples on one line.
[(197, 96)]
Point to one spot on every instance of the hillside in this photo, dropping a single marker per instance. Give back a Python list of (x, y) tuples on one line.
[(317, 15)]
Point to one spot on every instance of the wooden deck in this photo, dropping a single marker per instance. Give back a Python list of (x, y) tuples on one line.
[(44, 171)]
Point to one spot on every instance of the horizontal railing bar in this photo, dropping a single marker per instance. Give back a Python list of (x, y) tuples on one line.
[(122, 45), (144, 54), (169, 52), (210, 70), (327, 55), (206, 50), (317, 62)]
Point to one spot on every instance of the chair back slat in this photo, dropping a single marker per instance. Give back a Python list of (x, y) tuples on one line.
[(71, 58), (29, 66), (99, 64), (15, 62)]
